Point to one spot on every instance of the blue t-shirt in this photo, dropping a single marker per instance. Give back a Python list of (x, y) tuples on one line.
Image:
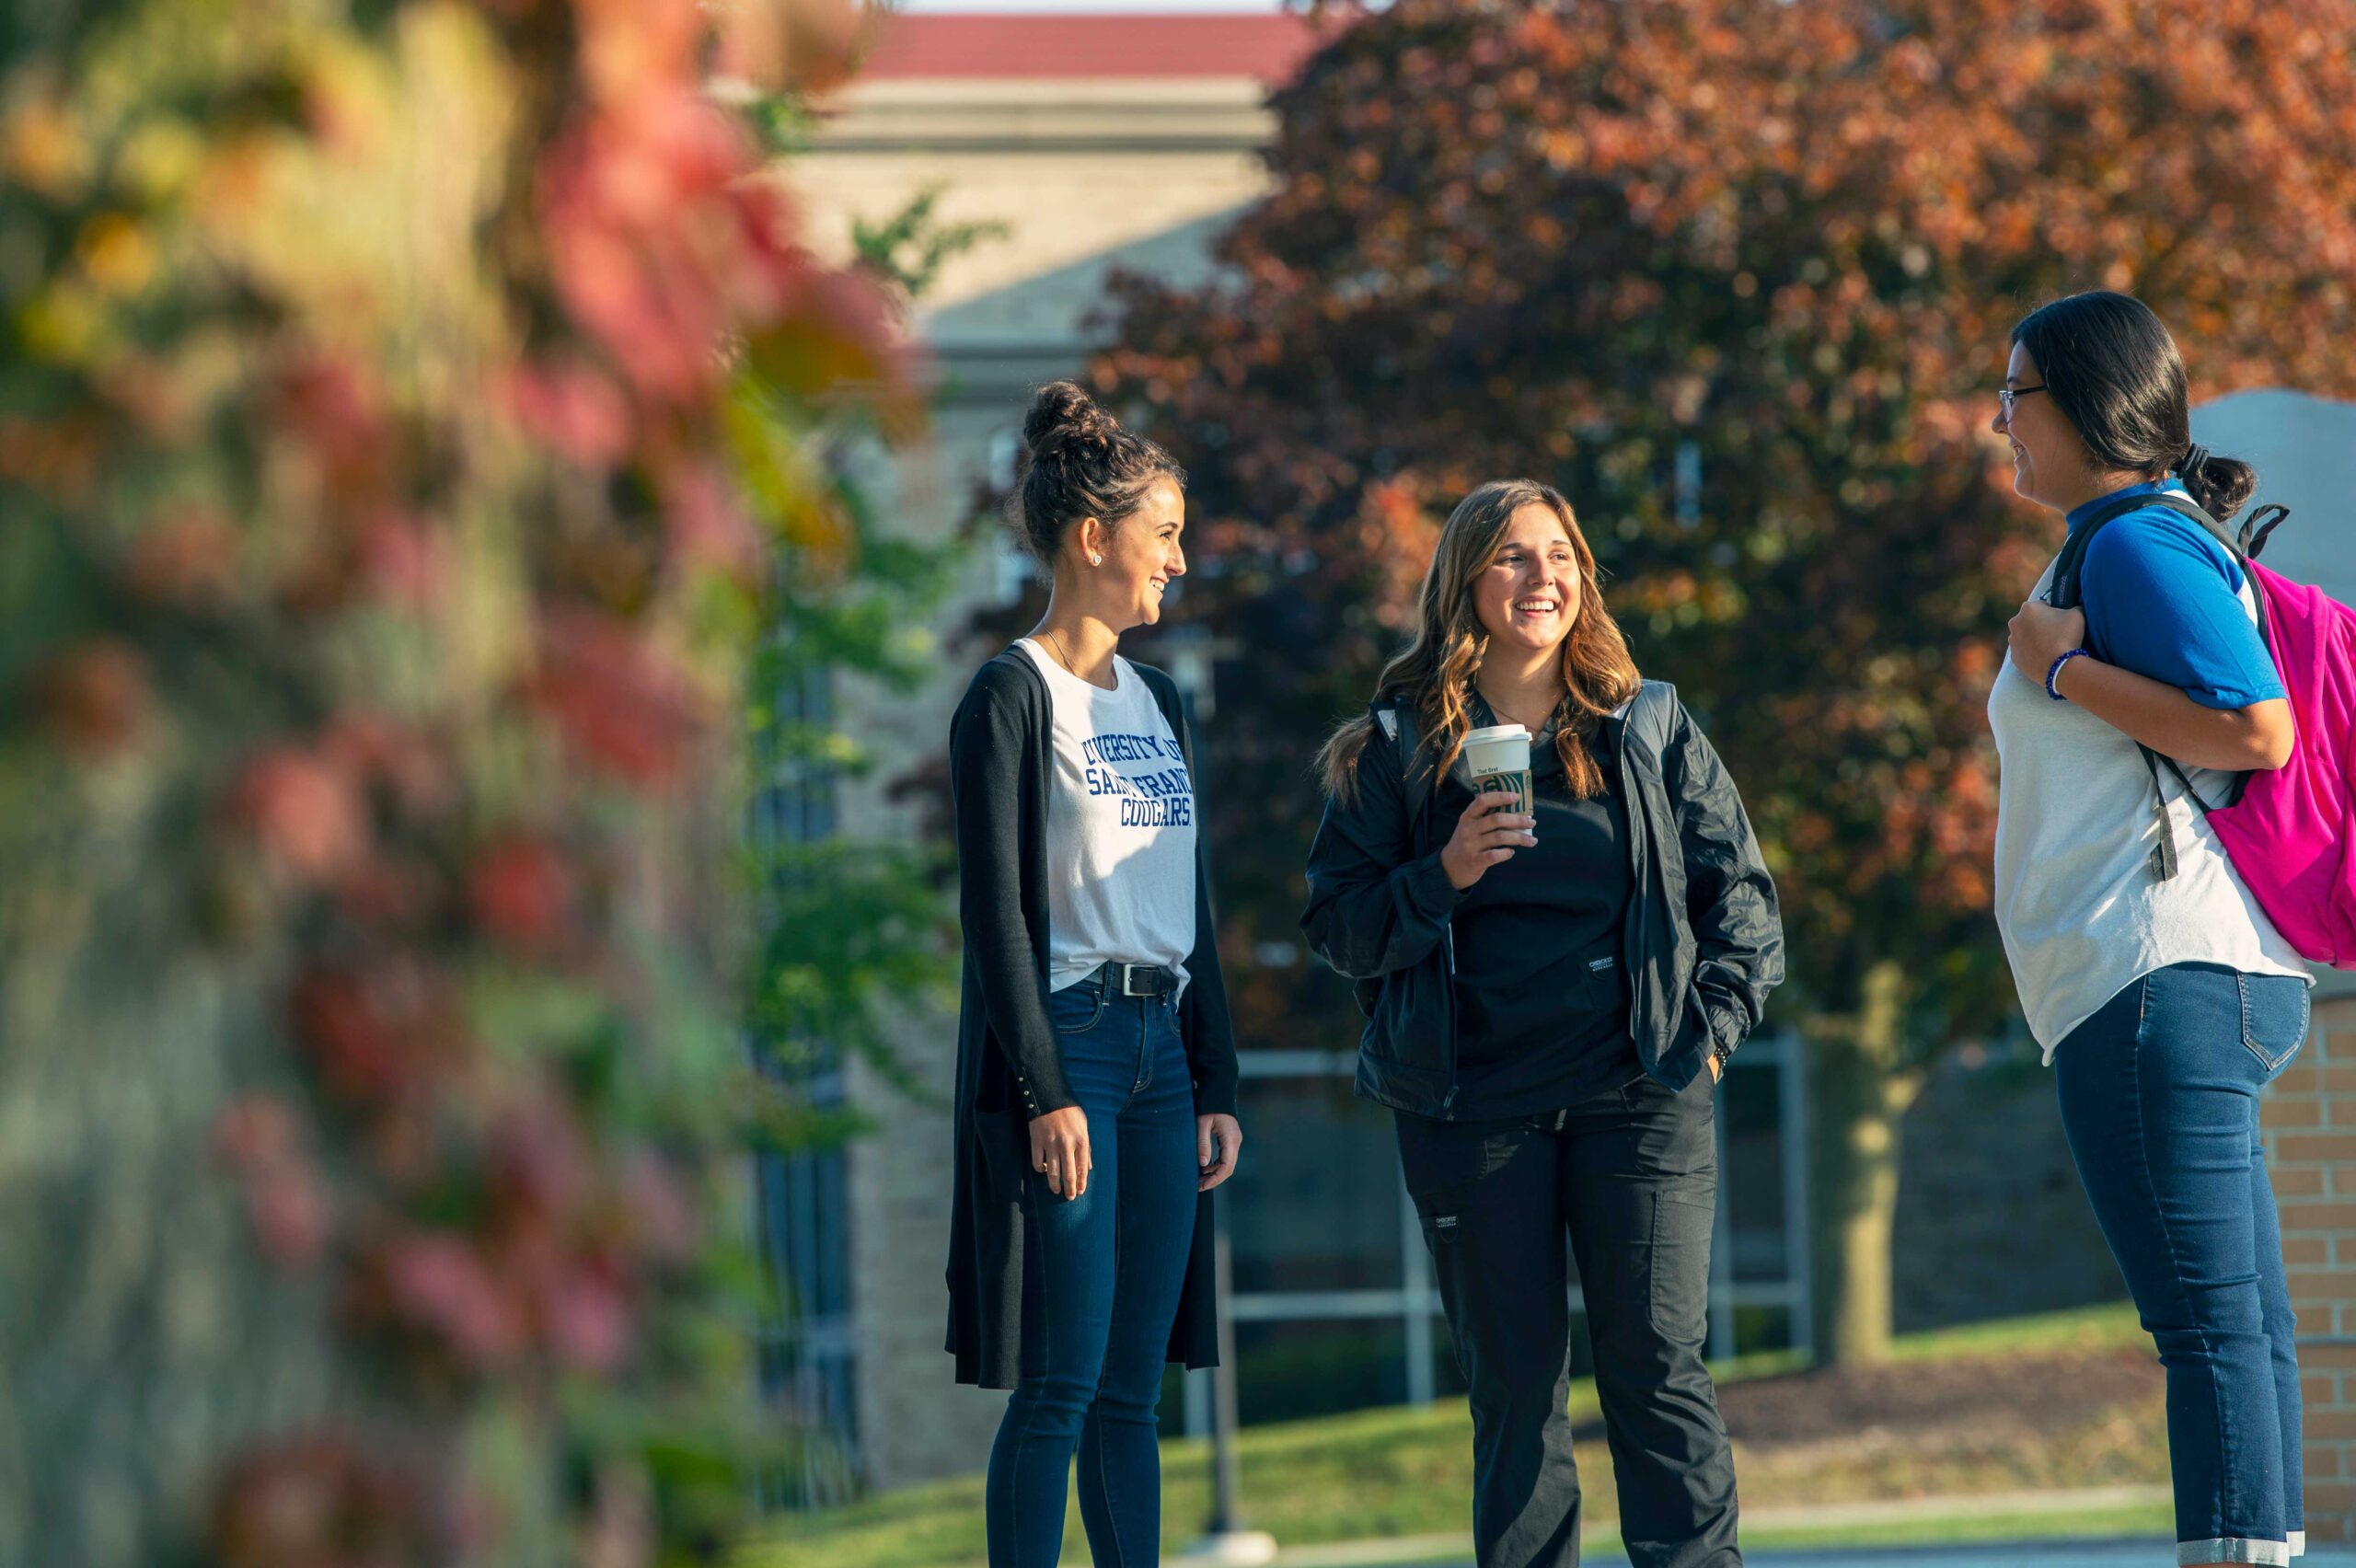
[(2163, 598)]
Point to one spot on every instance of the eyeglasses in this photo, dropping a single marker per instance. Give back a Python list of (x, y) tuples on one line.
[(2007, 397)]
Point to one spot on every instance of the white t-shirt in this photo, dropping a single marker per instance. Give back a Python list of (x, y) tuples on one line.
[(2082, 915), (1120, 827)]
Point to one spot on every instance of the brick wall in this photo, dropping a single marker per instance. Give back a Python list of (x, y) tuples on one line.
[(2310, 1124)]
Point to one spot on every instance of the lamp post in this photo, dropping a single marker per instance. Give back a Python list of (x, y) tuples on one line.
[(1225, 1540), (1224, 1543)]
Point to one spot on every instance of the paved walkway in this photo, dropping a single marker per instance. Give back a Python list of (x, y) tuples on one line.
[(2020, 1510), (2048, 1554), (2056, 1554)]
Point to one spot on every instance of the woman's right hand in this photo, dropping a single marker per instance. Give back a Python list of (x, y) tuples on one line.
[(1060, 1148), (1486, 836)]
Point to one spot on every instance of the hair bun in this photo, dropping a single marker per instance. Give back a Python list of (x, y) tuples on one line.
[(1063, 415), (1082, 463)]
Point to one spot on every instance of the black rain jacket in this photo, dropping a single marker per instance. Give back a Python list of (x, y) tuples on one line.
[(1703, 945)]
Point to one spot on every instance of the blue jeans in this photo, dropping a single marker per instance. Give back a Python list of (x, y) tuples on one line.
[(2159, 1101), (1101, 1275)]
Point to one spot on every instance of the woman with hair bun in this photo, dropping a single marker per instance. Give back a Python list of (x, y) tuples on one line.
[(2164, 998), (1095, 1102)]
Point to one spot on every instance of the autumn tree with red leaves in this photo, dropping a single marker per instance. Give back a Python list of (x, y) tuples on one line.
[(1736, 275)]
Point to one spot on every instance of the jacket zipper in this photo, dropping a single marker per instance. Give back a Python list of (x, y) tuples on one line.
[(1447, 947), (1632, 934)]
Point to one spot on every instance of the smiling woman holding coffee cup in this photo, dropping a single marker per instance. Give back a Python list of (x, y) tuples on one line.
[(1554, 973), (1095, 1062)]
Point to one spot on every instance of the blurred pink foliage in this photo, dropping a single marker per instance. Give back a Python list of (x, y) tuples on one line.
[(391, 562)]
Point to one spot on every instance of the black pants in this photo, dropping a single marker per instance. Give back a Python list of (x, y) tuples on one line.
[(1632, 1176)]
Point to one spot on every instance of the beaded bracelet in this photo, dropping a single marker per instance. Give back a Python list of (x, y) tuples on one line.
[(2050, 690)]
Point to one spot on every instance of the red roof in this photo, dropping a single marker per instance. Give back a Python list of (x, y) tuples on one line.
[(1268, 47)]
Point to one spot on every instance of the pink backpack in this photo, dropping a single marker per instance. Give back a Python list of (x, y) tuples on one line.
[(2291, 831)]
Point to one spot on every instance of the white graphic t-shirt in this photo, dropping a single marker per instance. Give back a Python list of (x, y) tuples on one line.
[(1120, 827)]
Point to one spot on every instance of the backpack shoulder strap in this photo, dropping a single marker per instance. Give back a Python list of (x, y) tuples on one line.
[(1656, 700), (2252, 539), (2066, 589), (2237, 544), (2066, 592), (1652, 714), (1397, 717)]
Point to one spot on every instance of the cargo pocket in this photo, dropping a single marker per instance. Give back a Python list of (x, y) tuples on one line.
[(1680, 1264)]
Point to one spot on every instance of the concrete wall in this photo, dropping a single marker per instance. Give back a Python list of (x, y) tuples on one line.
[(2304, 451), (1991, 1219)]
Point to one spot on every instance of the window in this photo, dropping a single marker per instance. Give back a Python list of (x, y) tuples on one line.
[(1686, 486), (807, 1357), (1015, 570)]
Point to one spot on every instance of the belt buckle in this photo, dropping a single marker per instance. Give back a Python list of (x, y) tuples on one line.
[(1128, 987)]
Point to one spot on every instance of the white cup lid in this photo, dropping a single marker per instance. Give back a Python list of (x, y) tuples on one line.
[(1496, 732)]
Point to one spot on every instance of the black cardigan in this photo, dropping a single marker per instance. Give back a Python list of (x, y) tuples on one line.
[(1001, 773)]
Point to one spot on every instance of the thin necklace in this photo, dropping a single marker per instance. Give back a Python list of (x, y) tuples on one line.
[(1498, 709), (1063, 658)]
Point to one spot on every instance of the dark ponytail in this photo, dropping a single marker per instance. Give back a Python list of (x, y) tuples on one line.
[(2222, 486), (2115, 373), (1081, 464)]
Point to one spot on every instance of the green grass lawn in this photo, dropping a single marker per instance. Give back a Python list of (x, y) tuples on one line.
[(1407, 1472)]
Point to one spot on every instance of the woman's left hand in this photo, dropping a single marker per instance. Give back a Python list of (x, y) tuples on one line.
[(2042, 634), (1216, 1164)]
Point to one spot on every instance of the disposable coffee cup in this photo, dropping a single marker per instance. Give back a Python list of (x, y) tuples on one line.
[(1497, 757)]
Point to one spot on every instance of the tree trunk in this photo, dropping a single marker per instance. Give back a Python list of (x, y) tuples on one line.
[(1859, 1096)]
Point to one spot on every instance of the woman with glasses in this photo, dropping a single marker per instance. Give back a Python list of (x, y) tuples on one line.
[(1555, 978), (2162, 995), (1096, 1063)]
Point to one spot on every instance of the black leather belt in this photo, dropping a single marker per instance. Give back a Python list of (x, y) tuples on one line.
[(1135, 980)]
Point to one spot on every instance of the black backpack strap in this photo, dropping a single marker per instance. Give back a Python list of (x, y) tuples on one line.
[(1398, 722), (2259, 526), (1397, 718), (1652, 714)]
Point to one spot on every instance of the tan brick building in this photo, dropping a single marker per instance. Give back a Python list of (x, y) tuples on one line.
[(2305, 450), (2310, 1121)]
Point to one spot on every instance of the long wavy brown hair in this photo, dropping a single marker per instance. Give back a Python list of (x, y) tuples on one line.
[(1436, 671)]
